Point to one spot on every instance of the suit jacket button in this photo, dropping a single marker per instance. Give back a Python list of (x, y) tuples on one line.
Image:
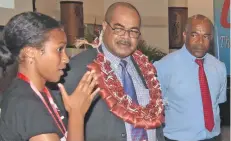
[(123, 135)]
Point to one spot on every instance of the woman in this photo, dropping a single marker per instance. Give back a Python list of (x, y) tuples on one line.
[(28, 108)]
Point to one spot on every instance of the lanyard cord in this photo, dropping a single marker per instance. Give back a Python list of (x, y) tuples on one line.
[(51, 101)]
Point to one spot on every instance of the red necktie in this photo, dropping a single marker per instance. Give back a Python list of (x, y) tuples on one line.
[(206, 98)]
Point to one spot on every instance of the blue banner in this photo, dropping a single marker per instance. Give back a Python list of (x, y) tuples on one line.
[(222, 31)]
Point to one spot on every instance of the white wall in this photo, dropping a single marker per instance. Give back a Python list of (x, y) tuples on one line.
[(204, 7), (49, 7), (20, 6)]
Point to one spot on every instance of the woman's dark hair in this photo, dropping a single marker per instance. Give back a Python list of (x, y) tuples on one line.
[(28, 29), (6, 58)]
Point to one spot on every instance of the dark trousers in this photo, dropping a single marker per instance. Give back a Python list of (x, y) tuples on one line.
[(216, 138)]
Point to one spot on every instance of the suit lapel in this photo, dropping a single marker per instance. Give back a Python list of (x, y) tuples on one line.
[(139, 72)]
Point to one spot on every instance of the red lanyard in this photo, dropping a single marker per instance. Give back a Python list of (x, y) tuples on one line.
[(51, 101)]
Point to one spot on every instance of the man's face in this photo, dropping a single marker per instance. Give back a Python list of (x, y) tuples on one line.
[(198, 37), (121, 34)]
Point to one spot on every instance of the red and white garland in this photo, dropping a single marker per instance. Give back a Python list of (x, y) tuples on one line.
[(120, 104)]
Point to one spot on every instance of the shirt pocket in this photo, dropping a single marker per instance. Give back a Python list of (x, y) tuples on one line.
[(178, 89)]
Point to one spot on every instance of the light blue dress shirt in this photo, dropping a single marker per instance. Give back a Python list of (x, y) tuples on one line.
[(141, 92), (178, 76)]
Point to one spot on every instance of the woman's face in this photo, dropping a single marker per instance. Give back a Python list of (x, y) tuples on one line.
[(52, 58)]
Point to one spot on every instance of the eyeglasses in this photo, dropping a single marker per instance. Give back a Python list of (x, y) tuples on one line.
[(133, 33)]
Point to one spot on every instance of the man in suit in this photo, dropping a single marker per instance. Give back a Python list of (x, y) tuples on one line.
[(121, 30)]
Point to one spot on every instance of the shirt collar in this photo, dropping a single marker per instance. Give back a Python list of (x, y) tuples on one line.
[(115, 60), (189, 56)]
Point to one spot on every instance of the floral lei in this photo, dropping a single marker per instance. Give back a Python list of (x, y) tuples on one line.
[(112, 92), (120, 104)]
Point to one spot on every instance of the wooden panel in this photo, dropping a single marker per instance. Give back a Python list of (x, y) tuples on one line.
[(72, 19), (177, 20)]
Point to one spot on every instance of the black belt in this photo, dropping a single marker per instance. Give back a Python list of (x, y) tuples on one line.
[(216, 138)]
